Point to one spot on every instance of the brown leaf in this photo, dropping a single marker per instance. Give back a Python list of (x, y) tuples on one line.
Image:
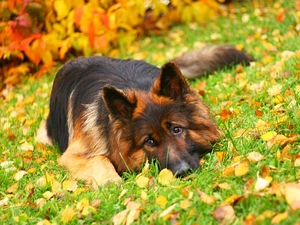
[(224, 214)]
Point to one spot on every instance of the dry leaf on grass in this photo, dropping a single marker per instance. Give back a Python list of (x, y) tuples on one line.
[(242, 168), (166, 177), (224, 214), (67, 214), (292, 195)]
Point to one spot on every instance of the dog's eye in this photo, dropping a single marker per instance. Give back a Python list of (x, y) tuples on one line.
[(176, 130), (150, 142)]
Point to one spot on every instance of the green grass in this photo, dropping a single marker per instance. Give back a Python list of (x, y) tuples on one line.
[(240, 92)]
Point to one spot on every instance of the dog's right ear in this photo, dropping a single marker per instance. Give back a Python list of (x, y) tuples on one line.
[(118, 103), (171, 83)]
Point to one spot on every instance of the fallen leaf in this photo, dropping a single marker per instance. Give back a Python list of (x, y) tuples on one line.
[(82, 203), (184, 204), (292, 195), (232, 199), (209, 200), (220, 156), (165, 177), (69, 185), (12, 188), (224, 186), (275, 90), (167, 210), (261, 184), (48, 195), (67, 214), (224, 214), (120, 217), (228, 171), (242, 168), (161, 201), (269, 135), (279, 217), (19, 175), (4, 202), (142, 181), (255, 157)]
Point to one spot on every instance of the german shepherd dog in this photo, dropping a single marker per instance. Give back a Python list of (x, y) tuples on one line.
[(109, 116)]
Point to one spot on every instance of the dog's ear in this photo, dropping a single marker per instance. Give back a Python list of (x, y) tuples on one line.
[(117, 103), (171, 83)]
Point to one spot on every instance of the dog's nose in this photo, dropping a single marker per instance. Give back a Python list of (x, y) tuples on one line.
[(180, 168)]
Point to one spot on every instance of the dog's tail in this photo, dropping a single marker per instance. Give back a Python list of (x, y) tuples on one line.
[(209, 59)]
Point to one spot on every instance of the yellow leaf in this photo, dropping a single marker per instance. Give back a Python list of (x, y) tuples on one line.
[(48, 195), (275, 90), (40, 202), (142, 181), (31, 170), (242, 168), (44, 222), (279, 217), (224, 186), (166, 177), (87, 210), (167, 211), (269, 135), (161, 201), (67, 214), (61, 8), (19, 175), (81, 204), (69, 185), (185, 204), (231, 199)]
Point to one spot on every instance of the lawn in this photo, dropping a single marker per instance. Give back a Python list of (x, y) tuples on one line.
[(251, 177)]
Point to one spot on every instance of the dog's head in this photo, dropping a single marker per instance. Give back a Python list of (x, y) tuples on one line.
[(169, 123)]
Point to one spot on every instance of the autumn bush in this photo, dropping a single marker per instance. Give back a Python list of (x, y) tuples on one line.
[(35, 34)]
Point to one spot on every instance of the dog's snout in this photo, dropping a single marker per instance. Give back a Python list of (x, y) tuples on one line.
[(180, 168)]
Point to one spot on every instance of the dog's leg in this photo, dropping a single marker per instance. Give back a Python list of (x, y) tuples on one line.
[(93, 169)]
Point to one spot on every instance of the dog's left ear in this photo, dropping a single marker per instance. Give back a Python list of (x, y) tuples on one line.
[(118, 103), (171, 83)]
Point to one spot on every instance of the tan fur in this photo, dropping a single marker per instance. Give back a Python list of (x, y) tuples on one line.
[(42, 135), (70, 117)]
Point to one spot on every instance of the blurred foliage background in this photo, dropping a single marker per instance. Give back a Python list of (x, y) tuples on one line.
[(36, 34)]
